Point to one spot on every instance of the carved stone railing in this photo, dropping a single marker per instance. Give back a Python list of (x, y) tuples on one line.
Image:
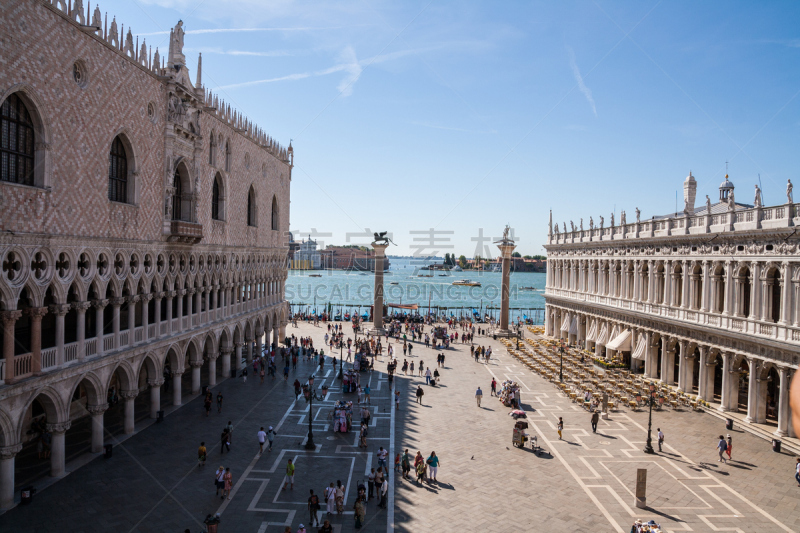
[(188, 232)]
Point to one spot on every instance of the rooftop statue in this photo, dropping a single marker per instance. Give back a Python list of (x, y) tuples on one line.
[(789, 191), (757, 200)]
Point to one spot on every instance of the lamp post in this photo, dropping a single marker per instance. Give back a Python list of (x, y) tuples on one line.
[(648, 448), (341, 365), (310, 441), (561, 369)]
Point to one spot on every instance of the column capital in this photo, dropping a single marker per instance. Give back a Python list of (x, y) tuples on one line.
[(36, 312), (160, 295), (171, 294), (181, 292), (10, 316), (116, 302), (226, 353), (196, 364), (144, 298), (9, 452), (133, 299), (176, 373), (81, 306), (129, 394), (97, 409), (60, 427), (60, 309), (191, 291), (100, 304), (155, 382), (238, 344)]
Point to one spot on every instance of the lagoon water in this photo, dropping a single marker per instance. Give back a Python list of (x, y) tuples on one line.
[(402, 285)]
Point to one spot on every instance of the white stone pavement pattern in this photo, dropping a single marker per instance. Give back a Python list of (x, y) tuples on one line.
[(584, 482)]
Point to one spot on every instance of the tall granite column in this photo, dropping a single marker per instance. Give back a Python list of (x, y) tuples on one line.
[(377, 309), (506, 247)]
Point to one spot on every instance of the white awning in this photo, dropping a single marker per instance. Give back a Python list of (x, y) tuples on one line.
[(565, 323), (592, 331), (621, 343), (573, 328), (601, 339), (641, 347)]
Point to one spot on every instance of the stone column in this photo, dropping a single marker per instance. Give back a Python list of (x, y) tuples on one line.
[(702, 379), (214, 295), (786, 294), (80, 308), (190, 304), (705, 300), (752, 391), (155, 396), (99, 306), (784, 412), (667, 296), (667, 362), (145, 298), (212, 370), (181, 294), (506, 248), (7, 455), (727, 376), (157, 314), (248, 354), (226, 362), (129, 396), (115, 304), (238, 351), (132, 319), (36, 314), (377, 307), (176, 388), (276, 336), (196, 366), (57, 455), (727, 299), (755, 293), (9, 321), (170, 296), (60, 310), (98, 428)]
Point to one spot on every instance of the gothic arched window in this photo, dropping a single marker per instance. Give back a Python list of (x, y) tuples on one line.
[(118, 172), (274, 213), (212, 150), (217, 201), (251, 208), (17, 142), (228, 156), (177, 197)]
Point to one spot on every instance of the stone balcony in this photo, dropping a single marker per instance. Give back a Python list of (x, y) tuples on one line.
[(183, 231)]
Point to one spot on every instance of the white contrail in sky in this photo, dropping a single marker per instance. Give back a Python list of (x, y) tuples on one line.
[(578, 78)]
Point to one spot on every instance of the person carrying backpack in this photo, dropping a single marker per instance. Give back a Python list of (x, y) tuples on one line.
[(420, 393)]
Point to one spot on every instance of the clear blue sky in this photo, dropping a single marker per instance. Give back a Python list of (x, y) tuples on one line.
[(460, 115)]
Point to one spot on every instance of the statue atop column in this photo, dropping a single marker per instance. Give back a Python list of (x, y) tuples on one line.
[(638, 213), (757, 199), (789, 192)]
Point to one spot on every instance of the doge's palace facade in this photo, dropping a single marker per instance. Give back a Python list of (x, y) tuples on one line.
[(141, 231), (707, 299)]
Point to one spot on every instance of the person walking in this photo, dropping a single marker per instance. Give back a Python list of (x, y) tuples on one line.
[(326, 527), (289, 479), (729, 442), (228, 483), (371, 484), (406, 464), (595, 420), (420, 393), (397, 400), (330, 499), (201, 454), (427, 375), (384, 493), (560, 427), (722, 446), (660, 436), (207, 404), (433, 463), (219, 402), (339, 497), (382, 455), (270, 437), (219, 481), (494, 387), (797, 472), (366, 394), (224, 441), (479, 395), (244, 374), (421, 366), (262, 438), (313, 509)]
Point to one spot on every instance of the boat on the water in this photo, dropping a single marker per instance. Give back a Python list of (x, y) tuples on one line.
[(315, 275), (467, 282), (527, 288), (393, 283), (424, 275)]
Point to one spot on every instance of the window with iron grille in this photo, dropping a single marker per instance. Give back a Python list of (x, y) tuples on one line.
[(118, 172), (16, 142)]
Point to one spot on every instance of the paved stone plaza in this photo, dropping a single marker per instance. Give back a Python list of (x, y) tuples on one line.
[(152, 482)]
